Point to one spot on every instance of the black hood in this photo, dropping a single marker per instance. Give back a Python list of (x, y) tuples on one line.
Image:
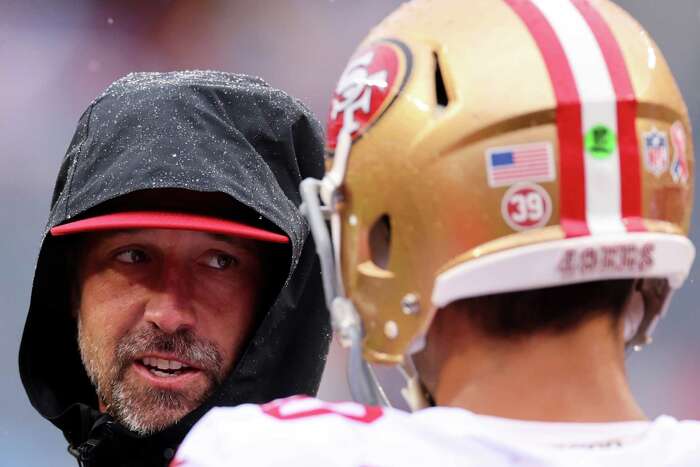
[(198, 131)]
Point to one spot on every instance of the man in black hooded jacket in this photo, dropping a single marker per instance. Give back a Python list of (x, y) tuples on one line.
[(212, 155)]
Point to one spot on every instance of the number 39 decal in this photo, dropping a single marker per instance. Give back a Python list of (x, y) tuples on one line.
[(526, 206), (296, 407)]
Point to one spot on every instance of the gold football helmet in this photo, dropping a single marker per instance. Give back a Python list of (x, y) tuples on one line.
[(492, 146)]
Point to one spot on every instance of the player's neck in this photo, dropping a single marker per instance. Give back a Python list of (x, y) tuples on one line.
[(578, 376)]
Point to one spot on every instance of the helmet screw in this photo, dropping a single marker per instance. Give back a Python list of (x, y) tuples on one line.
[(391, 329), (410, 304)]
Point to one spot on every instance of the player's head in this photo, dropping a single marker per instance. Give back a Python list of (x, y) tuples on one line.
[(174, 244), (493, 147)]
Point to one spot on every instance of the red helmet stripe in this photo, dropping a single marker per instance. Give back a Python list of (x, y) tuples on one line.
[(630, 170), (600, 188), (572, 191)]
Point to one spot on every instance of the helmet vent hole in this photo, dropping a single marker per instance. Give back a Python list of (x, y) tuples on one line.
[(380, 241), (440, 91)]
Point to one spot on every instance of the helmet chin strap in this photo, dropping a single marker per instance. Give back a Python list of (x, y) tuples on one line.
[(366, 388), (648, 303), (318, 206), (364, 385), (633, 315), (414, 393)]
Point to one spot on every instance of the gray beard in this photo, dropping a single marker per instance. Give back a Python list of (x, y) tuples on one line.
[(140, 408)]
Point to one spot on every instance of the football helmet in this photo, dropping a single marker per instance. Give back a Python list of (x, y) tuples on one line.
[(492, 146)]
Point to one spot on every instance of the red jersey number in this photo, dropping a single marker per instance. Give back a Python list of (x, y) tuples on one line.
[(296, 407)]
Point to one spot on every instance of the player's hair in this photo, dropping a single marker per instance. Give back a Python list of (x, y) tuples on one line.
[(552, 309)]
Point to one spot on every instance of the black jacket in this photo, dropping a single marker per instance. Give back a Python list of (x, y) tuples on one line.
[(200, 131)]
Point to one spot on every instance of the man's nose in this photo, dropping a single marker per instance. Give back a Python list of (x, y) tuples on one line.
[(170, 307)]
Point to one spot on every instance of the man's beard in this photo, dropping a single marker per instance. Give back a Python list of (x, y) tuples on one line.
[(137, 405)]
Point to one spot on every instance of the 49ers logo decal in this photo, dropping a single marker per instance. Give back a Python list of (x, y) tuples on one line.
[(296, 407), (367, 87)]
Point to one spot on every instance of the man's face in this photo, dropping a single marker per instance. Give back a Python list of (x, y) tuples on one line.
[(162, 317)]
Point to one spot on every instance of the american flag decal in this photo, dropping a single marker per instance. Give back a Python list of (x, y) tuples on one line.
[(522, 163)]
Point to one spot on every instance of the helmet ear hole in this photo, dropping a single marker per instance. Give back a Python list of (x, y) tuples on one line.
[(380, 241), (440, 92)]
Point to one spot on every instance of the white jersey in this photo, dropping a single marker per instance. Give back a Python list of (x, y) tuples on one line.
[(303, 431)]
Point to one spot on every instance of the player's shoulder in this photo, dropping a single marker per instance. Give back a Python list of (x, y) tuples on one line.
[(678, 432), (304, 431), (283, 430), (301, 410), (691, 426), (671, 442)]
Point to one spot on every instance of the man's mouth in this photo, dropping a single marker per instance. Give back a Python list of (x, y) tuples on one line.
[(165, 368)]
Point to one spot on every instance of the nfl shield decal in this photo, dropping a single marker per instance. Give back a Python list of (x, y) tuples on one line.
[(679, 166), (656, 154), (367, 88)]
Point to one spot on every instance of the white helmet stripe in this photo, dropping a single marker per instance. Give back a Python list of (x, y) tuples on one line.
[(598, 108)]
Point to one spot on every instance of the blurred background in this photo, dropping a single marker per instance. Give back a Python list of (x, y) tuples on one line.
[(57, 55)]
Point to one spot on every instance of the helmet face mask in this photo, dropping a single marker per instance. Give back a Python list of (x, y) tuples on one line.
[(466, 167)]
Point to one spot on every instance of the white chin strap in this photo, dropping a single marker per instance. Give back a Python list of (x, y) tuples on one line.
[(633, 315), (319, 200), (413, 393)]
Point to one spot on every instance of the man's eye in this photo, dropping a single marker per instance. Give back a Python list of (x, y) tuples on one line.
[(132, 256), (220, 261)]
